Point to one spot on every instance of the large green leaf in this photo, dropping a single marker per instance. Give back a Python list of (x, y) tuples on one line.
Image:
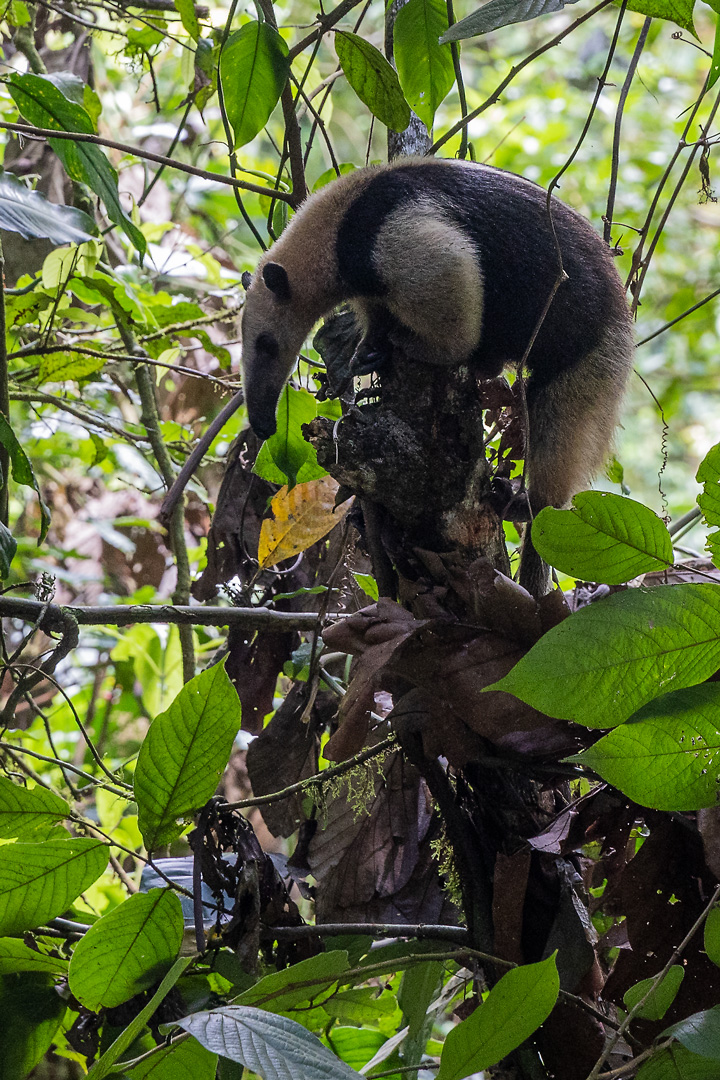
[(30, 214), (286, 457), (708, 475), (603, 537), (253, 71), (700, 1033), (661, 997), (280, 991), (16, 956), (127, 950), (186, 1060), (602, 664), (273, 1046), (712, 936), (31, 1011), (677, 11), (499, 13), (425, 68), (678, 1063), (43, 104), (22, 471), (104, 1064), (515, 1007), (184, 754), (667, 756), (24, 812), (39, 881), (373, 79)]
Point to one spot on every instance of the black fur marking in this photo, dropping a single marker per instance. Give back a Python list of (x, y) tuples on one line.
[(245, 279), (276, 279), (267, 347), (507, 219)]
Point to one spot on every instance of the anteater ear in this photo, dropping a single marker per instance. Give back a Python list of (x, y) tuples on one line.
[(245, 279), (276, 279)]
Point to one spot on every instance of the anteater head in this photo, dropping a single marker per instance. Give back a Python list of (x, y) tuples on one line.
[(273, 331)]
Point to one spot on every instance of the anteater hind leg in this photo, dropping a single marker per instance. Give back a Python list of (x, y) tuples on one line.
[(572, 421)]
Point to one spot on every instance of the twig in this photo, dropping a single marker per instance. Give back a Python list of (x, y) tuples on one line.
[(12, 607), (326, 23), (679, 318), (632, 67), (455, 53), (319, 778), (458, 934), (60, 764), (183, 477)]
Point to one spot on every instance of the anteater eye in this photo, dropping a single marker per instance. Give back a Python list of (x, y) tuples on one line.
[(268, 346)]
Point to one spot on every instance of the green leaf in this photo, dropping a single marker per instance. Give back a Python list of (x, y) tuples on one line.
[(708, 473), (602, 664), (184, 754), (68, 367), (661, 997), (499, 13), (287, 458), (699, 1033), (25, 811), (668, 755), (186, 11), (272, 1046), (39, 881), (22, 471), (44, 105), (419, 986), (677, 11), (279, 990), (127, 950), (187, 1060), (515, 1008), (31, 1011), (368, 584), (373, 79), (677, 1063), (356, 1046), (8, 547), (16, 956), (103, 1066), (603, 537), (254, 68), (425, 68), (715, 65), (361, 1006), (712, 936), (31, 215)]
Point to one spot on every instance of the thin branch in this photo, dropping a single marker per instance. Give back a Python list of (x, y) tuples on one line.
[(146, 155), (87, 418), (458, 934), (4, 401), (390, 743), (632, 67), (455, 53), (60, 764), (183, 477), (326, 23), (12, 607), (679, 318)]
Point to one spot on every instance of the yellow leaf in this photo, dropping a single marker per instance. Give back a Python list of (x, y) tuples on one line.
[(301, 517)]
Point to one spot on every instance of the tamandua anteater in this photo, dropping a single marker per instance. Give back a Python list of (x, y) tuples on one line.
[(461, 259)]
